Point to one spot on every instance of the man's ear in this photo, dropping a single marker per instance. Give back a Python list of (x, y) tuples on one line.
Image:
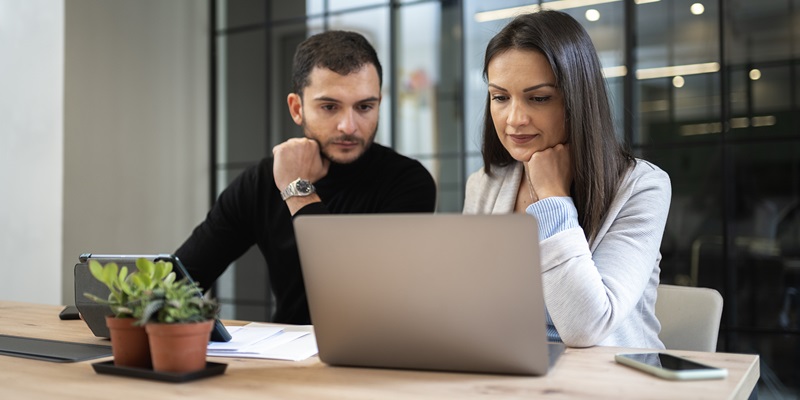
[(295, 107)]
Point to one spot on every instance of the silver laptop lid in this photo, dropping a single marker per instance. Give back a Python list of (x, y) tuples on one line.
[(426, 291)]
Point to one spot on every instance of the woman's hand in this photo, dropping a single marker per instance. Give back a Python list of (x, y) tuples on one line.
[(550, 171)]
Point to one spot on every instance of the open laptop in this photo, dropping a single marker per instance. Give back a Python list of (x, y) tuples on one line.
[(95, 314), (445, 292)]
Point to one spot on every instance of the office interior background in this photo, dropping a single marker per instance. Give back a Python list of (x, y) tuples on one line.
[(121, 121), (706, 89)]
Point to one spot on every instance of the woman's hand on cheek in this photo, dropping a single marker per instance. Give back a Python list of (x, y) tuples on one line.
[(550, 171)]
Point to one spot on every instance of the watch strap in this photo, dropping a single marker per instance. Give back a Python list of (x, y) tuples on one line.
[(298, 187)]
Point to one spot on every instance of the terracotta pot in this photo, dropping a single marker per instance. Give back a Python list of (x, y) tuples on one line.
[(179, 347), (129, 343)]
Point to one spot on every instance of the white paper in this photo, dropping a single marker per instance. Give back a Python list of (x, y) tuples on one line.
[(266, 341), (296, 350), (242, 337)]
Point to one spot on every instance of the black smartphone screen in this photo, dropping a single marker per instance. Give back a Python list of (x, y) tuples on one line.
[(667, 361)]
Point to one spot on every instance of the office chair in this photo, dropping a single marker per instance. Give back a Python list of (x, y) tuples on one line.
[(689, 316)]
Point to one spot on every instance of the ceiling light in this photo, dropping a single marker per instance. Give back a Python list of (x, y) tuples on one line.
[(735, 123), (755, 74), (697, 9), (592, 15), (615, 72), (511, 12), (741, 122), (766, 120), (666, 72), (678, 81)]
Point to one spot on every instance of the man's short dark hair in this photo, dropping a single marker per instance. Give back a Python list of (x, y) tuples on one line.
[(342, 52)]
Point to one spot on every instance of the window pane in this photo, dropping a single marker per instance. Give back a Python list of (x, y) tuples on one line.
[(605, 25), (768, 177), (339, 5), (474, 163), (778, 359), (237, 13), (761, 107), (760, 52), (282, 10), (447, 169), (695, 108), (285, 39), (766, 254), (374, 25), (418, 52), (677, 74), (691, 245), (761, 31), (240, 97), (478, 30)]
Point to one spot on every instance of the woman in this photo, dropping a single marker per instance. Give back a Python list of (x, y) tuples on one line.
[(549, 150)]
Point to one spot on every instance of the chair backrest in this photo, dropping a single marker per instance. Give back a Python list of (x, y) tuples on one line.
[(689, 316)]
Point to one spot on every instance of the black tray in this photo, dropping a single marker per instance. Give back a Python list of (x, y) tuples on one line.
[(108, 367)]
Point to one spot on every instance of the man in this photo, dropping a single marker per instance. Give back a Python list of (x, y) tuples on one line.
[(336, 168)]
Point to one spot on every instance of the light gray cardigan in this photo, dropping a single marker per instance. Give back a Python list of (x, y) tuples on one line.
[(603, 292)]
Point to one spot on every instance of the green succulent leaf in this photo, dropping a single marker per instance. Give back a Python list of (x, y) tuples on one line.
[(97, 270), (110, 272), (169, 279), (145, 266), (123, 273), (178, 301)]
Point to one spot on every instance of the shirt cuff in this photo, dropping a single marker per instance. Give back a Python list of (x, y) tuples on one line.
[(554, 214)]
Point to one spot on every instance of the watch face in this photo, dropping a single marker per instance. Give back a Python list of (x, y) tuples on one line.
[(304, 186)]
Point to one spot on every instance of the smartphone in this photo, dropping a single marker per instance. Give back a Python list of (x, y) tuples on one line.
[(669, 366)]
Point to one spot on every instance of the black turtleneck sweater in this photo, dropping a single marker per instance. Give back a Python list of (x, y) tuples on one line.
[(250, 212)]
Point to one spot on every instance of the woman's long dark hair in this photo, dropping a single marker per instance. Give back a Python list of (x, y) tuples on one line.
[(599, 160)]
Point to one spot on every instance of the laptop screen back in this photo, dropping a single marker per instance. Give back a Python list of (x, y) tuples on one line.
[(426, 291)]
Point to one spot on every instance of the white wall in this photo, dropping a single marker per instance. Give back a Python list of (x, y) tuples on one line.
[(103, 134), (136, 126), (31, 149)]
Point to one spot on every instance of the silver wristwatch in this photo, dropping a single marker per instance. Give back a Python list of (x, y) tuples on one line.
[(298, 187)]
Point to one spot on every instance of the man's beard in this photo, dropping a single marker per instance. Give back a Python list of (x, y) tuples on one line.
[(365, 143)]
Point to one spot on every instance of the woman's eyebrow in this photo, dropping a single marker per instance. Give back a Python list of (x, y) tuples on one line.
[(539, 86), (497, 87), (528, 89)]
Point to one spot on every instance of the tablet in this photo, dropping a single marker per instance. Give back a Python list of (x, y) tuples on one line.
[(95, 314)]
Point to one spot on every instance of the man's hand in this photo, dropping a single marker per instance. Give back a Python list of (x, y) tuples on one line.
[(298, 158), (550, 171)]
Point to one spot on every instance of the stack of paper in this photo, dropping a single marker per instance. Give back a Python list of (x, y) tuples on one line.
[(265, 341)]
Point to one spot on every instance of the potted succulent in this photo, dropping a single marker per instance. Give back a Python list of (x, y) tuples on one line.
[(178, 320), (129, 343)]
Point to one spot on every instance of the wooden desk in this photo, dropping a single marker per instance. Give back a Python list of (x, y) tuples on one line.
[(579, 374)]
